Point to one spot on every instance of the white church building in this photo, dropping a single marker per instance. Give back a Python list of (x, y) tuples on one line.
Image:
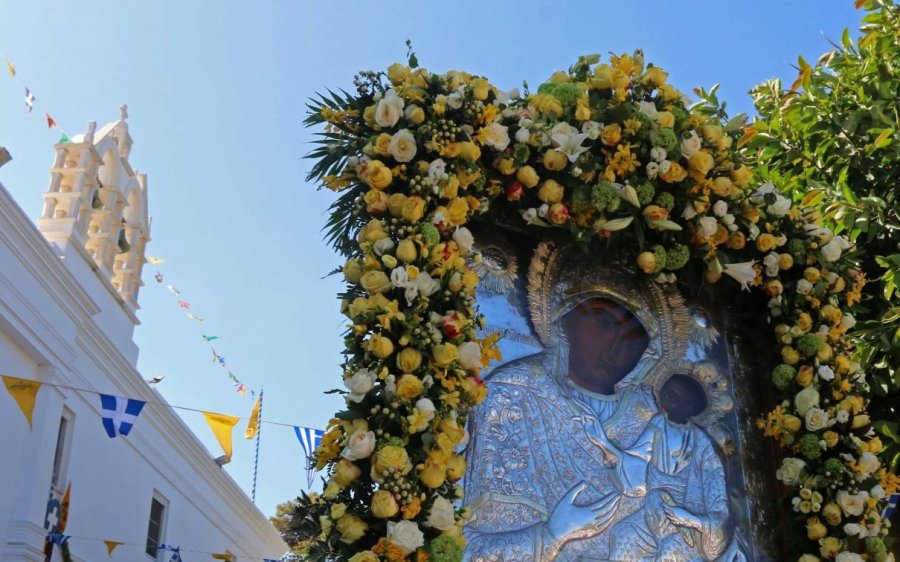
[(69, 287)]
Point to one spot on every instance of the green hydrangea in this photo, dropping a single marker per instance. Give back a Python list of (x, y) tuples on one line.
[(430, 233), (605, 197), (567, 93), (445, 549), (646, 122), (681, 115), (809, 344), (783, 376), (665, 199), (876, 549), (677, 256), (660, 254), (582, 198), (666, 139), (809, 446), (834, 469), (645, 193)]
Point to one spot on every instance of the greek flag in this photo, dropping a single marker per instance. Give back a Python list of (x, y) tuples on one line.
[(893, 499), (309, 439), (57, 538), (119, 413), (175, 550)]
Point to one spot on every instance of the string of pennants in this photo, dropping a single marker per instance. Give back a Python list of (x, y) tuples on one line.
[(186, 306), (119, 415), (30, 99)]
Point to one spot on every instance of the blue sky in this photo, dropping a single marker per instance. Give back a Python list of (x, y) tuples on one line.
[(216, 96)]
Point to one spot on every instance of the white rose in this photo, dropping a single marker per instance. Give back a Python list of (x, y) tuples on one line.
[(410, 109), (426, 285), (441, 516), (359, 446), (771, 259), (591, 129), (849, 556), (804, 287), (852, 504), (832, 250), (523, 135), (530, 215), (652, 170), (753, 231), (720, 208), (658, 153), (399, 277), (648, 108), (496, 136), (816, 419), (389, 109), (403, 146), (780, 207), (465, 441), (543, 210), (406, 535), (868, 463), (664, 166), (691, 145), (454, 100), (383, 246), (470, 355), (848, 321), (563, 128), (425, 406), (877, 492), (790, 471), (708, 226), (437, 170), (843, 416), (689, 212), (464, 239), (359, 384), (826, 373), (806, 399)]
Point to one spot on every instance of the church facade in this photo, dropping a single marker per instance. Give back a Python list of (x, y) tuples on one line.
[(69, 286)]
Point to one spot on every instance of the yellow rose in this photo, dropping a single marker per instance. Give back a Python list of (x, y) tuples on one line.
[(804, 376), (655, 76), (369, 117), (527, 176), (815, 530), (674, 174), (647, 262), (741, 176), (804, 321), (791, 423), (766, 242), (480, 89), (469, 151), (372, 232), (558, 213), (406, 251), (432, 474), (444, 354), (785, 262), (338, 510), (345, 472), (722, 186), (504, 165), (555, 160), (375, 282), (824, 353), (829, 547), (413, 209), (413, 508), (377, 175), (582, 110), (395, 204), (832, 513), (353, 271), (376, 201), (457, 211), (790, 355), (364, 556), (397, 73), (860, 420), (351, 528), (384, 506), (381, 346), (550, 192), (602, 79), (665, 119), (545, 103), (409, 387), (701, 162), (610, 135), (382, 144), (392, 457), (417, 116), (559, 77), (456, 468), (875, 445), (831, 438), (736, 241), (409, 359)]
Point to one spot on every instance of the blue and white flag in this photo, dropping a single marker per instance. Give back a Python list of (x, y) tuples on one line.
[(29, 100), (893, 499), (57, 538), (175, 550), (119, 413), (310, 439)]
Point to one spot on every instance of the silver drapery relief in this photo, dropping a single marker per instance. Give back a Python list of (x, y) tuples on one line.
[(561, 472)]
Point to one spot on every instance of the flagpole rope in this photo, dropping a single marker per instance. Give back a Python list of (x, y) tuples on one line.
[(181, 549), (259, 420)]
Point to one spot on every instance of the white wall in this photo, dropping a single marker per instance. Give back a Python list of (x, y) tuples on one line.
[(59, 323)]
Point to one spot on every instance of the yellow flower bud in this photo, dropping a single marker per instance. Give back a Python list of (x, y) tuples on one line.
[(527, 176), (406, 251), (550, 192), (555, 160)]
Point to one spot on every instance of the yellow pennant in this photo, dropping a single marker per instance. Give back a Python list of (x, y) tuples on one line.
[(111, 546), (64, 510), (253, 424), (221, 426), (11, 68), (227, 556), (24, 392)]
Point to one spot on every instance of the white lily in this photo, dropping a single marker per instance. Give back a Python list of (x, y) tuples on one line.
[(629, 194), (570, 144), (742, 272)]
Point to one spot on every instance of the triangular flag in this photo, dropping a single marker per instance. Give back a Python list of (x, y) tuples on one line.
[(227, 555), (210, 338), (253, 424), (64, 510), (24, 392), (11, 68), (50, 122), (29, 100), (111, 546), (155, 261), (310, 439), (221, 426), (64, 139)]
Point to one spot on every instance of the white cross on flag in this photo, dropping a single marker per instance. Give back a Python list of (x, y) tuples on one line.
[(119, 413)]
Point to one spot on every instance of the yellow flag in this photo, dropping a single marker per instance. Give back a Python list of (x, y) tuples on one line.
[(111, 546), (12, 69), (64, 510), (24, 392), (221, 426), (253, 424), (227, 556)]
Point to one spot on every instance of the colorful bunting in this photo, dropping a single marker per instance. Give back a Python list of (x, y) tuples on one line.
[(310, 439), (210, 338), (51, 123), (197, 318), (158, 277), (24, 392), (184, 304), (175, 550), (227, 556), (155, 261), (64, 139), (221, 426), (111, 546), (173, 290), (119, 413), (11, 68), (29, 100), (253, 424)]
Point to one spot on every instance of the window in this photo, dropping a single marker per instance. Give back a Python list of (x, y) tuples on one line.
[(157, 525), (61, 456)]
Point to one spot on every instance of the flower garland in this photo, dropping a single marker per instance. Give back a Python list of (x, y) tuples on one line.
[(612, 153)]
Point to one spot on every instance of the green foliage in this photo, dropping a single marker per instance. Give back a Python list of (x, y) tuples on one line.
[(832, 140)]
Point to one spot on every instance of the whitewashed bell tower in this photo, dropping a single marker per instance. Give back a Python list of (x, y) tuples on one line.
[(96, 206)]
